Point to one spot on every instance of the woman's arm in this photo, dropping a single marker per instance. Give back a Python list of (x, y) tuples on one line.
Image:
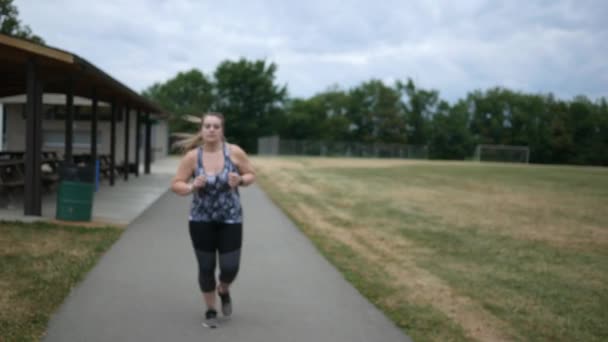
[(180, 183), (245, 167)]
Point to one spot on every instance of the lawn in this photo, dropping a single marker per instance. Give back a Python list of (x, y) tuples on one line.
[(457, 251), (39, 264)]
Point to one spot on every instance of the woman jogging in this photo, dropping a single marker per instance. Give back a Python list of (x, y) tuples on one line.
[(212, 170)]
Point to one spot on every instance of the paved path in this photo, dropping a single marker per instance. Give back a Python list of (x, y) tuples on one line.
[(116, 205), (145, 289)]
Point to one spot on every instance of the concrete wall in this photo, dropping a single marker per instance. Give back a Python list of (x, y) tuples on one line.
[(16, 125), (160, 140)]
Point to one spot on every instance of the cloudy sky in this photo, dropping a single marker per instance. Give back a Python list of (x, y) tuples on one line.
[(556, 46)]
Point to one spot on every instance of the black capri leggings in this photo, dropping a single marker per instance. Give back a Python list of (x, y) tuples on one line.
[(209, 238)]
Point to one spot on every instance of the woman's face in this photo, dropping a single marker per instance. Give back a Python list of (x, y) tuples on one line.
[(211, 129)]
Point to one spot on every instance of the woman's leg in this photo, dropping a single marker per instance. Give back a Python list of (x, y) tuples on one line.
[(229, 247), (230, 239), (205, 242)]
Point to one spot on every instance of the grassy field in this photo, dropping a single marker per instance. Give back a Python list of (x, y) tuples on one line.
[(39, 264), (459, 251)]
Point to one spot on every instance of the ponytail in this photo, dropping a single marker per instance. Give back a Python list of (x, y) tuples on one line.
[(188, 143)]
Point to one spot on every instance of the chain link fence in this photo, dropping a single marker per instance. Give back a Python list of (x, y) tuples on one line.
[(274, 145)]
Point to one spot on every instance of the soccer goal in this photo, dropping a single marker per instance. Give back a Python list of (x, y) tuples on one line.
[(502, 153)]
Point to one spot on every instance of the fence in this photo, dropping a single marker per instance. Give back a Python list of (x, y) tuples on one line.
[(274, 145)]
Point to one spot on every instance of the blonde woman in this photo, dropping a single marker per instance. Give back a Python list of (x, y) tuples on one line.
[(212, 170)]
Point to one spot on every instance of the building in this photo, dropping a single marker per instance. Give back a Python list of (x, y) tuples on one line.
[(58, 104)]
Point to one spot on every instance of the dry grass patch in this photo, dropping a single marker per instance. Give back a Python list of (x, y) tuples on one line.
[(423, 287), (414, 284), (481, 251), (522, 215), (274, 163)]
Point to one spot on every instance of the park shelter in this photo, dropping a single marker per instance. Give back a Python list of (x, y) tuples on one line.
[(56, 102)]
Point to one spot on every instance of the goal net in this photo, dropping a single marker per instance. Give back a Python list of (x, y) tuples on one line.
[(502, 153)]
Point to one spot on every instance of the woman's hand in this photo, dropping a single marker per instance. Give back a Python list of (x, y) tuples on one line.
[(199, 182), (234, 179), (181, 182)]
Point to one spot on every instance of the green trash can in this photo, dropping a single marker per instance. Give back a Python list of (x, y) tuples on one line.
[(75, 201)]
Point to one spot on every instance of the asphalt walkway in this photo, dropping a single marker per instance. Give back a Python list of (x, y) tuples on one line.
[(145, 287)]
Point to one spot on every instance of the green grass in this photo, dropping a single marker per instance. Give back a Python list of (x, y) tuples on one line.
[(541, 269), (544, 292), (39, 264)]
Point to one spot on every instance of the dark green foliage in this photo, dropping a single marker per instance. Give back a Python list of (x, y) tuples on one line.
[(246, 92)]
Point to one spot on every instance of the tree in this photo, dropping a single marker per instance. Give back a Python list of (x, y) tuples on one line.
[(600, 142), (450, 134), (582, 120), (11, 25), (301, 121), (189, 92), (488, 116), (331, 108), (253, 104), (561, 140), (322, 117), (419, 109), (376, 114)]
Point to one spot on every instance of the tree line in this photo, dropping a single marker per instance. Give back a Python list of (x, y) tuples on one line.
[(556, 131)]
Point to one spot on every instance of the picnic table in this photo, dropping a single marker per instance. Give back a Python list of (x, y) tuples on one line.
[(12, 171)]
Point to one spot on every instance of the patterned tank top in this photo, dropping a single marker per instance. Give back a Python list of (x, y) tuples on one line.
[(216, 201)]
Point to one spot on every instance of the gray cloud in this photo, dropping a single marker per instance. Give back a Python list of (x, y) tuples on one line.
[(454, 47)]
